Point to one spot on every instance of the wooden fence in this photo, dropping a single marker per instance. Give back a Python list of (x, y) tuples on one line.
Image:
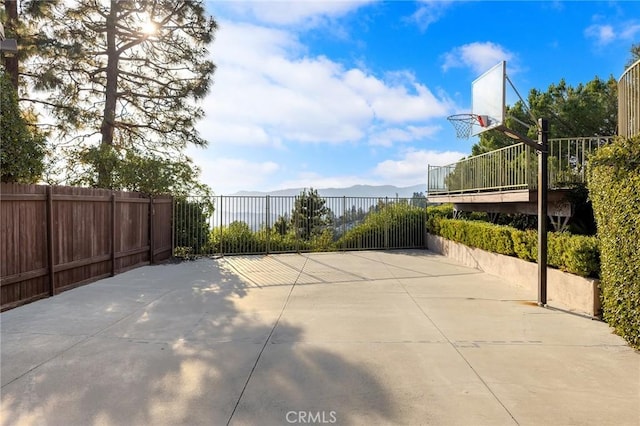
[(54, 238)]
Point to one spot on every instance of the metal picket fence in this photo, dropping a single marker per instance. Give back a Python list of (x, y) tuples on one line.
[(225, 225)]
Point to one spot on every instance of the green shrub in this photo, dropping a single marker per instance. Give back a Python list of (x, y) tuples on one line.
[(191, 223), (435, 213), (482, 235), (394, 225), (583, 256), (277, 242), (323, 242), (443, 210), (577, 254), (480, 216), (236, 238), (525, 244), (614, 189), (184, 253)]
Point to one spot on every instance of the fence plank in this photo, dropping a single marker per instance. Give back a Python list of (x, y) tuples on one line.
[(23, 276)]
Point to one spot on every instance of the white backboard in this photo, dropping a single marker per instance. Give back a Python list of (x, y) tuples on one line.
[(488, 97)]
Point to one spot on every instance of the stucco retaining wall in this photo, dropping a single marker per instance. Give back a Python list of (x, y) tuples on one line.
[(564, 290)]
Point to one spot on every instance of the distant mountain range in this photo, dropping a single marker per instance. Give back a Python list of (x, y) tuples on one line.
[(352, 191)]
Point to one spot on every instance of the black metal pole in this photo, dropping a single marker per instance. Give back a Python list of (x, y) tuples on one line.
[(543, 189)]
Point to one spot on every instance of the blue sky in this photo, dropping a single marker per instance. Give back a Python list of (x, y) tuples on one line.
[(337, 93)]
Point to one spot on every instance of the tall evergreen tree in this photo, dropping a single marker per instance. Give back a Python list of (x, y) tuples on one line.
[(310, 215), (122, 79)]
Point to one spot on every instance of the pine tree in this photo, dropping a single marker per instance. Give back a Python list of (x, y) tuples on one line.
[(122, 80), (310, 215)]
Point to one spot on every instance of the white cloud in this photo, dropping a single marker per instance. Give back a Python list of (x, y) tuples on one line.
[(603, 34), (229, 175), (629, 31), (310, 13), (235, 133), (428, 12), (316, 180), (389, 136), (268, 92), (479, 56), (412, 167)]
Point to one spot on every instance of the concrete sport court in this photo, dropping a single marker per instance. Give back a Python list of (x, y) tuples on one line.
[(355, 338)]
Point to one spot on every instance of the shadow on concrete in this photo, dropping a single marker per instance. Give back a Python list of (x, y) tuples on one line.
[(175, 344)]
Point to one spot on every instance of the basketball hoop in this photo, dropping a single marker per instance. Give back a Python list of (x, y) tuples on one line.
[(463, 123)]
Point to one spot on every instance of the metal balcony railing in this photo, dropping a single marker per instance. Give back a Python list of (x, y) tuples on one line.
[(515, 167), (629, 101)]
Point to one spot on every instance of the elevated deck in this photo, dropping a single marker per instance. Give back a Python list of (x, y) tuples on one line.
[(505, 180), (508, 202)]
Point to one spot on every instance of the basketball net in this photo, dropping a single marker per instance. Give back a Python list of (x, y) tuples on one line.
[(463, 124)]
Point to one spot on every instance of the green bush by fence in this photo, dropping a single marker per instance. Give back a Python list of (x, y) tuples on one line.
[(190, 226), (238, 238), (577, 254), (614, 188), (395, 225)]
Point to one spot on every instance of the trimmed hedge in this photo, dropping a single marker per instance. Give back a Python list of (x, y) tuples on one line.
[(577, 254), (482, 235), (614, 187), (525, 244), (435, 213)]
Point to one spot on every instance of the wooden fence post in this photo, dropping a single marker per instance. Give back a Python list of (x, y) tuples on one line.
[(173, 228), (113, 233), (50, 265), (151, 233)]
